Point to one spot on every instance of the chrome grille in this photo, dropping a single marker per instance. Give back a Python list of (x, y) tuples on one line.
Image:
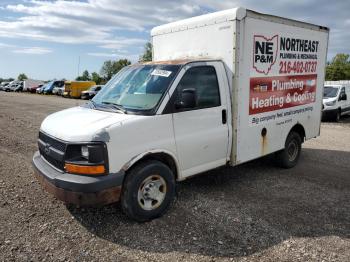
[(52, 141), (52, 150)]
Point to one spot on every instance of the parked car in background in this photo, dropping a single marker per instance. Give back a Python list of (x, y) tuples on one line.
[(55, 90), (51, 85), (7, 88), (58, 91), (40, 89), (34, 88), (336, 100), (18, 87), (11, 86), (28, 84), (74, 88), (91, 92), (3, 85)]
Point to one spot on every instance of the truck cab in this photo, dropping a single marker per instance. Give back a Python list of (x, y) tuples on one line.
[(173, 110)]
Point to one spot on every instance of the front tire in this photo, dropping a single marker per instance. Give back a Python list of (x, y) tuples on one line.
[(148, 191), (289, 156), (337, 116)]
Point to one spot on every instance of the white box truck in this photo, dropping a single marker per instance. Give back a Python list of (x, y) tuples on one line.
[(222, 89), (28, 84)]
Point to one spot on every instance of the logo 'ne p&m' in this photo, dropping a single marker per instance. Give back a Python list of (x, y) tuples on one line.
[(264, 53)]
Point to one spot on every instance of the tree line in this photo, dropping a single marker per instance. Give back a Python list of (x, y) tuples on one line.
[(110, 67)]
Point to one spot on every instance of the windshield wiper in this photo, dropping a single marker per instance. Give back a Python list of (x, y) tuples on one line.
[(91, 104), (116, 106)]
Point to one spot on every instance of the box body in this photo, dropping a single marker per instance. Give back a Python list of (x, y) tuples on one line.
[(275, 68)]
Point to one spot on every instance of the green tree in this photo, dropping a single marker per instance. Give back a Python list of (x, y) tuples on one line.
[(147, 54), (109, 67), (118, 65), (339, 68), (96, 78), (22, 77), (84, 77)]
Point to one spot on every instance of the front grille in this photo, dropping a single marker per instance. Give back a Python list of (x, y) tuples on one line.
[(56, 163), (52, 150), (52, 142)]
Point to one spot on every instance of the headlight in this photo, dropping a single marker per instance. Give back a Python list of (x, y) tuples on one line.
[(331, 103), (86, 159), (85, 152)]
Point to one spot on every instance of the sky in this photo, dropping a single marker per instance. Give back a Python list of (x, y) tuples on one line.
[(47, 39)]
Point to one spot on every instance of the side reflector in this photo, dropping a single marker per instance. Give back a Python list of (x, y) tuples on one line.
[(86, 170)]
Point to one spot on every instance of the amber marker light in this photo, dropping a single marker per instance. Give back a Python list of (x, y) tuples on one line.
[(86, 170)]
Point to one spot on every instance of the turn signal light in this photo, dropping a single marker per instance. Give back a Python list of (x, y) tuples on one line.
[(86, 170)]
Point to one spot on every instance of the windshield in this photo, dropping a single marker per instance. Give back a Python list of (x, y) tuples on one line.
[(137, 88), (330, 91)]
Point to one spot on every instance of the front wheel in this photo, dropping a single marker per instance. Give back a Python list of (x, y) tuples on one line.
[(337, 116), (148, 191), (289, 156)]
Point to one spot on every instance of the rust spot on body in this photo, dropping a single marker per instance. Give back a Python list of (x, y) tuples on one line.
[(264, 142)]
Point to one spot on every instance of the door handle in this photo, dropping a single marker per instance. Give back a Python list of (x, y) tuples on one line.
[(224, 116)]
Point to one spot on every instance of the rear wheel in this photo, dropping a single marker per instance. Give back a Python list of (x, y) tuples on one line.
[(289, 156), (148, 191)]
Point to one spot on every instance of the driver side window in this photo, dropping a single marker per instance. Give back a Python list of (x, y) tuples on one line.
[(204, 83), (342, 91)]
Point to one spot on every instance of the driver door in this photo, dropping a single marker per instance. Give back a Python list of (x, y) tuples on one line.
[(201, 132)]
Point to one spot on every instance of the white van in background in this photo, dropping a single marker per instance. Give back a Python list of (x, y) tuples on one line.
[(336, 99)]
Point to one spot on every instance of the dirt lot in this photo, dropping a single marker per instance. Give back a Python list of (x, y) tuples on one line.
[(254, 212)]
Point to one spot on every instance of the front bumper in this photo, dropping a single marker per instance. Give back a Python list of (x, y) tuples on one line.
[(77, 189), (329, 113), (84, 96)]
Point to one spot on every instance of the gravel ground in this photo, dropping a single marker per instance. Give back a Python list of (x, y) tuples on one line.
[(253, 212)]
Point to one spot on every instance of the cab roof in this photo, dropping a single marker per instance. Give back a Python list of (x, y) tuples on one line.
[(178, 61)]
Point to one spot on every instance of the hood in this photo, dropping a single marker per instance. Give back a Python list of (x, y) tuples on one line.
[(80, 124), (329, 99)]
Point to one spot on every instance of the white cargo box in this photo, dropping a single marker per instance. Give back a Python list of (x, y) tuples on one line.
[(275, 67), (29, 83)]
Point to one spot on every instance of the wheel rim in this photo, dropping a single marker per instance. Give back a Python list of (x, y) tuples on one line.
[(151, 193), (292, 150)]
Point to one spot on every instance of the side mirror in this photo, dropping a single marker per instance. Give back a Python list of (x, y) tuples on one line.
[(343, 96), (188, 99)]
